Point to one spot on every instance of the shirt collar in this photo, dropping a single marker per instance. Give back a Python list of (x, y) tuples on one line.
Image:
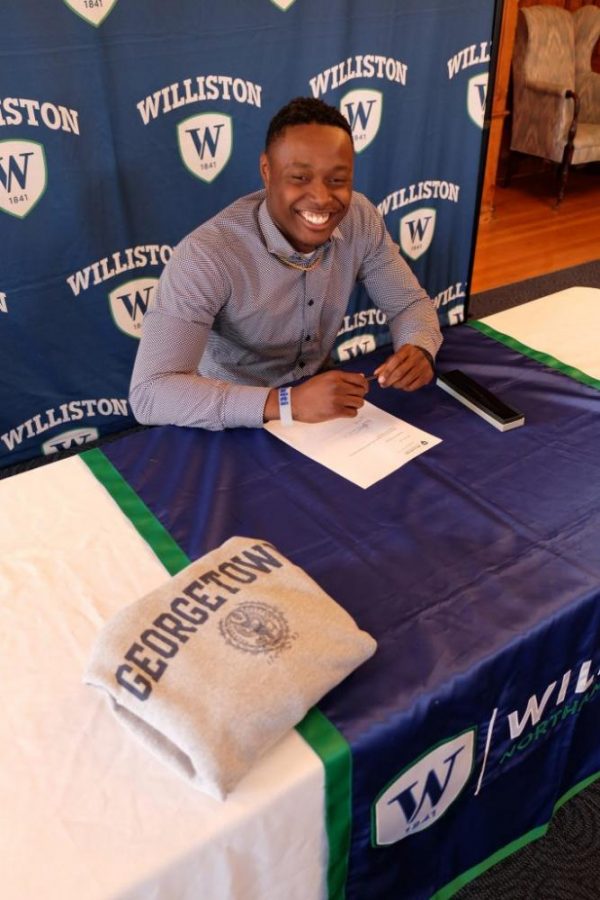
[(278, 245)]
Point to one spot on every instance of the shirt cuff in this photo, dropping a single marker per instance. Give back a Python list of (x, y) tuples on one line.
[(424, 340), (243, 406)]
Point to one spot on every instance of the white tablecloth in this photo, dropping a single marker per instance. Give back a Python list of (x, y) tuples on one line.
[(565, 325), (86, 813)]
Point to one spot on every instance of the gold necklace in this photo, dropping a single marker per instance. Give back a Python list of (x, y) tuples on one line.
[(299, 266)]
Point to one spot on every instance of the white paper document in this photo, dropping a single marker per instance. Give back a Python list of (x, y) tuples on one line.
[(364, 449)]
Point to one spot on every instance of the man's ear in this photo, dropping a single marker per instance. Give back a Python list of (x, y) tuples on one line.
[(265, 171)]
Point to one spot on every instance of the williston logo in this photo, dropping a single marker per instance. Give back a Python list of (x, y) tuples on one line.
[(68, 440), (355, 346), (423, 792), (416, 231), (363, 110), (93, 11), (23, 176), (205, 143), (476, 97), (129, 303)]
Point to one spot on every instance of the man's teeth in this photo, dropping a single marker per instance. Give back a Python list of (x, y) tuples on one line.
[(315, 218)]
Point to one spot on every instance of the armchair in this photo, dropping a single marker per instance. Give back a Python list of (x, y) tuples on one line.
[(549, 120)]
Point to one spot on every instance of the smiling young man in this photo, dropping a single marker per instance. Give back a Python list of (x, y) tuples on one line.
[(253, 299)]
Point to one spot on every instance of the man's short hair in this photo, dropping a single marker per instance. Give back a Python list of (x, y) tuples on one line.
[(305, 111)]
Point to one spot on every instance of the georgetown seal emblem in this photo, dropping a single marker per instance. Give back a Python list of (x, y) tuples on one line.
[(256, 628)]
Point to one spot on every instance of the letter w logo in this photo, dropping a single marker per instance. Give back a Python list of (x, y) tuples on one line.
[(423, 792), (140, 302), (129, 304), (207, 140), (418, 227), (432, 790), (14, 170), (68, 439), (416, 231), (361, 114), (22, 176), (205, 143), (363, 108), (476, 97)]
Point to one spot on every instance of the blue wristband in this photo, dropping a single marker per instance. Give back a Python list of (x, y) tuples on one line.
[(285, 406)]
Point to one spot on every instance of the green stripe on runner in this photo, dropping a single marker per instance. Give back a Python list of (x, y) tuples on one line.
[(334, 751), (454, 886), (315, 728), (150, 529), (544, 358)]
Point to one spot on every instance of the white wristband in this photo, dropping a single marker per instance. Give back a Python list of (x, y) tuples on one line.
[(285, 406)]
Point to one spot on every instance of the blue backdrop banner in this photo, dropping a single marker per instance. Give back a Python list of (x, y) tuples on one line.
[(126, 123)]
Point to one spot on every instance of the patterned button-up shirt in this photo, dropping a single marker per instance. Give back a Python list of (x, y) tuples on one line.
[(232, 320)]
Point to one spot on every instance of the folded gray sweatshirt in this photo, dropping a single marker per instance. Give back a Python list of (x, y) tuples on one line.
[(214, 667)]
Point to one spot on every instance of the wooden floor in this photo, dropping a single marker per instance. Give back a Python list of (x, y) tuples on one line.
[(528, 236)]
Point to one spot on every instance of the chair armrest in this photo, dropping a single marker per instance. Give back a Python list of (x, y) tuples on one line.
[(576, 107), (543, 120), (546, 87)]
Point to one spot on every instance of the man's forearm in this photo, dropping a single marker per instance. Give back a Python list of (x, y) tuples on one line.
[(166, 389), (196, 402), (418, 327)]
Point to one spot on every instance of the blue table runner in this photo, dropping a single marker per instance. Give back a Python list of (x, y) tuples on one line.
[(477, 569)]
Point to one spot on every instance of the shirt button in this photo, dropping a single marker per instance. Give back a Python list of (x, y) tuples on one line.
[(307, 338), (310, 302), (301, 363)]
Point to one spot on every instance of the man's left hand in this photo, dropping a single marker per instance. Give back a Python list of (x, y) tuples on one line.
[(407, 369)]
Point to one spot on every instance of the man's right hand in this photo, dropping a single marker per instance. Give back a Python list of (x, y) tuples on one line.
[(330, 395)]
